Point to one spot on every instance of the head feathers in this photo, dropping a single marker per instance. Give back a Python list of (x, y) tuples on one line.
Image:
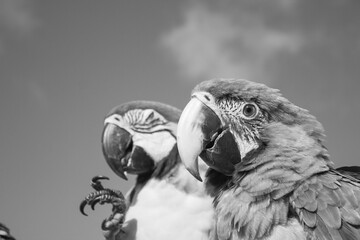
[(273, 105), (170, 113)]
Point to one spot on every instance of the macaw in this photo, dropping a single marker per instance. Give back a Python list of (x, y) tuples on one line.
[(353, 171), (270, 174), (5, 233), (166, 202)]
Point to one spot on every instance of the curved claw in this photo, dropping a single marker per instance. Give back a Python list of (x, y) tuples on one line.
[(96, 184), (99, 177), (103, 195), (93, 203), (82, 207)]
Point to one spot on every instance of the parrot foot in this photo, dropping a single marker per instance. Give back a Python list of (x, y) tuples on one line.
[(104, 195), (111, 226)]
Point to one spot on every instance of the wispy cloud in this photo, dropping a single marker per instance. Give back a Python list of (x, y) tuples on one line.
[(17, 15), (223, 42), (200, 43), (16, 18)]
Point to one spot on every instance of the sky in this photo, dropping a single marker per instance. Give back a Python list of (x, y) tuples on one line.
[(65, 64)]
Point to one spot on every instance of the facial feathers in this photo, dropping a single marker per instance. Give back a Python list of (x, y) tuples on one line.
[(281, 178)]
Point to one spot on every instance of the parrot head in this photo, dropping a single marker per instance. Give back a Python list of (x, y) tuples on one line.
[(228, 122), (138, 135)]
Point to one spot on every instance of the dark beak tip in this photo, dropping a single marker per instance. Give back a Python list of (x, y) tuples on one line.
[(122, 175), (195, 174)]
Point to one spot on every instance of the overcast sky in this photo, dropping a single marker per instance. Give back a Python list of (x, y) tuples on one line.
[(65, 64)]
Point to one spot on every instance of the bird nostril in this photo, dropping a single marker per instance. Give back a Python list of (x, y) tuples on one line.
[(207, 97)]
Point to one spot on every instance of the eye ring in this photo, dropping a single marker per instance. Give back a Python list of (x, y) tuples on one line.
[(250, 110)]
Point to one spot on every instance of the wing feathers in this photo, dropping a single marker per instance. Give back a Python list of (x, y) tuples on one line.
[(357, 194), (311, 206), (322, 232), (329, 205), (353, 171), (350, 216), (309, 218), (331, 216), (350, 196), (329, 197), (349, 232)]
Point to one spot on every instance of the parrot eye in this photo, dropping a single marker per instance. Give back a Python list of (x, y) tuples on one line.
[(250, 110)]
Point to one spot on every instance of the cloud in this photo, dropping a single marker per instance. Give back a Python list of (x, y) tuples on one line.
[(17, 15), (199, 44), (229, 42), (16, 18)]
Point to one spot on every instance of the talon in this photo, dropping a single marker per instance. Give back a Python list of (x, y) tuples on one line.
[(103, 195), (82, 207), (94, 202), (96, 184), (103, 225), (99, 177)]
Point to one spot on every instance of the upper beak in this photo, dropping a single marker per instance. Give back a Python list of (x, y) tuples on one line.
[(115, 144), (197, 127), (202, 132)]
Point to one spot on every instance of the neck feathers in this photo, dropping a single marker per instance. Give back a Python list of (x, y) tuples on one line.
[(171, 170), (290, 156), (251, 203), (162, 168)]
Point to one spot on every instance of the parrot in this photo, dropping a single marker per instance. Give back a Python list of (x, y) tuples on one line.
[(354, 171), (270, 173), (166, 202), (5, 233)]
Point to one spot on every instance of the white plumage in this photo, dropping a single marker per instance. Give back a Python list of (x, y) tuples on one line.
[(171, 208)]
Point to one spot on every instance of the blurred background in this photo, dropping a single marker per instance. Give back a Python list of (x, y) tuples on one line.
[(65, 64)]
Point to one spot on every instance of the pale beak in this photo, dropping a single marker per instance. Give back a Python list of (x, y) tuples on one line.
[(198, 125), (201, 132)]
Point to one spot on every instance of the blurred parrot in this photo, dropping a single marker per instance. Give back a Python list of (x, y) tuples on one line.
[(353, 171), (166, 202), (270, 174), (5, 233)]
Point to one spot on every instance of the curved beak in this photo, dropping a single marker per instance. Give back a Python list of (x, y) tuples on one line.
[(201, 132), (115, 146), (197, 127)]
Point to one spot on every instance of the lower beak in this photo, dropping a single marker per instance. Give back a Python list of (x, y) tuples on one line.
[(115, 144)]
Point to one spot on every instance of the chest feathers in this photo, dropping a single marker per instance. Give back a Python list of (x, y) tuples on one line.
[(170, 208)]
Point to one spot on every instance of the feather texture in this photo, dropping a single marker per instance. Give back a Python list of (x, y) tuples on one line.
[(166, 202), (353, 171), (163, 211), (287, 181), (337, 215)]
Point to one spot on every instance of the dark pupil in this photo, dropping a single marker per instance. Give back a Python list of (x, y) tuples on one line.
[(249, 110)]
